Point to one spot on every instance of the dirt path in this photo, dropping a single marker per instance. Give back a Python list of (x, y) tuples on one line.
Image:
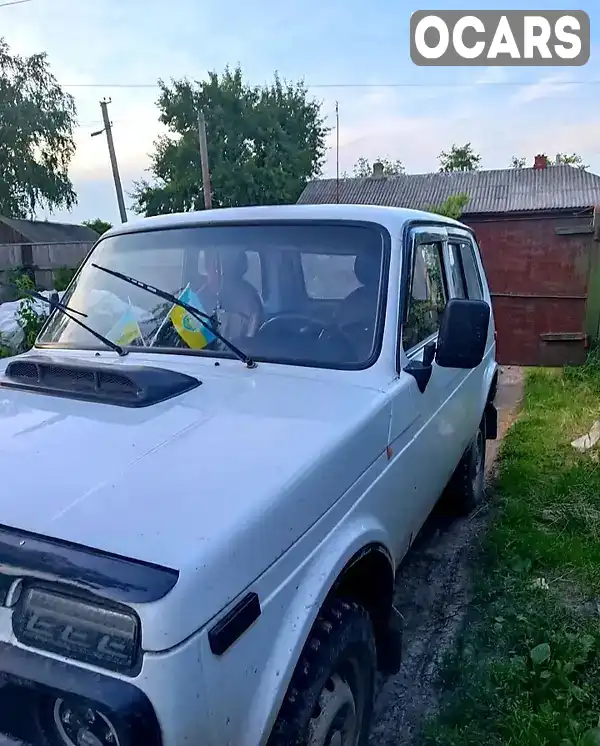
[(432, 593)]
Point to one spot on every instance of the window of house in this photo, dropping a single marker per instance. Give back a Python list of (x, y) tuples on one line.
[(428, 295)]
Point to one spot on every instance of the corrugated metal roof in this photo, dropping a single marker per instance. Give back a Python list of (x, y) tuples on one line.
[(43, 231), (509, 190)]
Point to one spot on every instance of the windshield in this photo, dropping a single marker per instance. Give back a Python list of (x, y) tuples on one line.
[(305, 294)]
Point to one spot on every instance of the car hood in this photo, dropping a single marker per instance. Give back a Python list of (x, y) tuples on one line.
[(216, 483)]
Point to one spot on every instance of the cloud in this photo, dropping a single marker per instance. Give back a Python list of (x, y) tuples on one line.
[(492, 75), (580, 137), (135, 128), (141, 40), (378, 122), (389, 124), (550, 86)]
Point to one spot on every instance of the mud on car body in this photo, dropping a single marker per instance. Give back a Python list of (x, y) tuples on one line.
[(230, 468)]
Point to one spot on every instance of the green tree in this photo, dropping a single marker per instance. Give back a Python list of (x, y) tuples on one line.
[(460, 158), (364, 168), (98, 225), (453, 207), (264, 144), (37, 120), (563, 159)]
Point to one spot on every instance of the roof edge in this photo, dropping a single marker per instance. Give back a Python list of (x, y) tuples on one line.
[(452, 174), (581, 211)]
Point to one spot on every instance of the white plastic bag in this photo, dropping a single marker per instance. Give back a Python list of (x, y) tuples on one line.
[(11, 333)]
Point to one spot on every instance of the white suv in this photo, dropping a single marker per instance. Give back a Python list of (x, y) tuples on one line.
[(230, 431)]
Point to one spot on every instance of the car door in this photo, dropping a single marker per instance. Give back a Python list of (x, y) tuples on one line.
[(426, 419), (465, 281)]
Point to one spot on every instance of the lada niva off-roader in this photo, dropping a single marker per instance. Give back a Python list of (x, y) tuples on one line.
[(229, 432)]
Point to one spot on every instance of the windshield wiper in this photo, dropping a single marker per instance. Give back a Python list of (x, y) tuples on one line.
[(66, 311), (200, 316)]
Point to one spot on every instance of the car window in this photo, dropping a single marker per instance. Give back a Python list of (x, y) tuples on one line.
[(218, 269), (428, 295), (471, 271), (455, 270), (253, 274), (329, 276)]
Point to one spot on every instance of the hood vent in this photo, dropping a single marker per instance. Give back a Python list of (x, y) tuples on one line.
[(125, 386)]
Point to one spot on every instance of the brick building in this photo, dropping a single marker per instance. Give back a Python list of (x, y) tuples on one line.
[(535, 228)]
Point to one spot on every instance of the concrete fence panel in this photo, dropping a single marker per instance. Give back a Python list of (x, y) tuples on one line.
[(41, 260)]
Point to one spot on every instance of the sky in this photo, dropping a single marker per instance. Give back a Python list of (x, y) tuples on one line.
[(349, 51)]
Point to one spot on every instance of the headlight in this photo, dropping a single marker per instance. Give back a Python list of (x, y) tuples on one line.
[(73, 627)]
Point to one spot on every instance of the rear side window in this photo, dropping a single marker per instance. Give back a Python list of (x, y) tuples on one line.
[(464, 270), (457, 275), (471, 270)]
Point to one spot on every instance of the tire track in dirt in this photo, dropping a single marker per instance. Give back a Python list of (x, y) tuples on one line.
[(433, 591)]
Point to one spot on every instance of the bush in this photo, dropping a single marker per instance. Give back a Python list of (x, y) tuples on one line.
[(28, 318), (5, 350), (62, 278)]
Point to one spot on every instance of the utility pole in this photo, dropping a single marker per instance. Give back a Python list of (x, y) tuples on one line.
[(113, 158), (337, 153), (206, 189)]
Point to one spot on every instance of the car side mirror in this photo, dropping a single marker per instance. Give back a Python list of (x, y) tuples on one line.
[(463, 334)]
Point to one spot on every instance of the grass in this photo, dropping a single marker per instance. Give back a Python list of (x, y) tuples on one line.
[(527, 669)]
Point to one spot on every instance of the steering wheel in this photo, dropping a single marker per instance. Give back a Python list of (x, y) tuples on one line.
[(286, 324)]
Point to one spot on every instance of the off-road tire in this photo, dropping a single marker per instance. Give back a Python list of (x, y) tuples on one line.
[(466, 488), (342, 639)]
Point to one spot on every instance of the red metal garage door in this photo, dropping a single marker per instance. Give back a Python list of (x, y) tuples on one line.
[(545, 283)]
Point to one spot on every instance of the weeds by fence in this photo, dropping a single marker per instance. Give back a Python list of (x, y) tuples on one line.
[(27, 316)]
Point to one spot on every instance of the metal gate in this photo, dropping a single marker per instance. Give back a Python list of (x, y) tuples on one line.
[(544, 276)]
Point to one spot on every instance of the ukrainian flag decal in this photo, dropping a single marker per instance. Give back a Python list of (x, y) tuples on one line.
[(126, 330), (193, 333)]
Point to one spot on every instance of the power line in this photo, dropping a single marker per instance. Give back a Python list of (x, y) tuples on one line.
[(14, 2), (491, 84), (451, 85), (12, 108)]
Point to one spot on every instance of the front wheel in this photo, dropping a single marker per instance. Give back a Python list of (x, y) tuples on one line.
[(330, 698)]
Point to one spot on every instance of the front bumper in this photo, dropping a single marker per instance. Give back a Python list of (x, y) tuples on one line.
[(30, 681)]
